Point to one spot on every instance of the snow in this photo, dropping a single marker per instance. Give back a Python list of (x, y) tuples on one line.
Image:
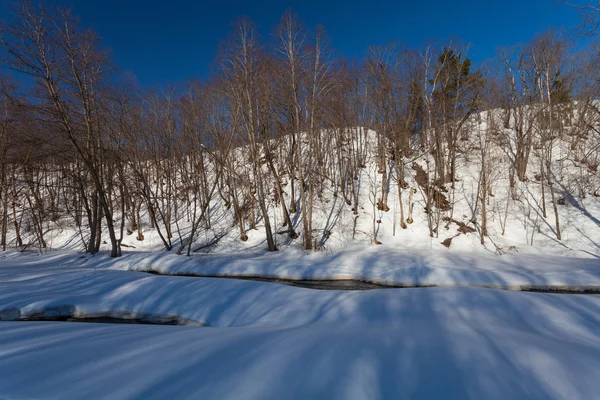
[(515, 225), (97, 285), (379, 264), (257, 340), (426, 358), (265, 340), (273, 341)]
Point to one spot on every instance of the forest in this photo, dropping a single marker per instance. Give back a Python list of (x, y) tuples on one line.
[(282, 124)]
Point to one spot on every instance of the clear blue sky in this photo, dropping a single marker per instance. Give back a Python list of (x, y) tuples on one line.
[(170, 41)]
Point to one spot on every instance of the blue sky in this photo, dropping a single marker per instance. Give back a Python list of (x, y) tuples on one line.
[(170, 41)]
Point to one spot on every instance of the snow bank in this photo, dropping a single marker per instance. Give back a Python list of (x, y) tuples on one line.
[(385, 265), (31, 289)]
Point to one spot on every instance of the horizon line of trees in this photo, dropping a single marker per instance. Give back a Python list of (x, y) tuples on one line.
[(276, 126)]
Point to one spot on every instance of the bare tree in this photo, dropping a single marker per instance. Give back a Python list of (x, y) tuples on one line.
[(240, 69), (67, 65)]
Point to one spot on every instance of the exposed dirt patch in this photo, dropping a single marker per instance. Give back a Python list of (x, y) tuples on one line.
[(462, 227), (438, 198)]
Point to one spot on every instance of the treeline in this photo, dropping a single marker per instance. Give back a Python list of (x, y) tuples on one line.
[(275, 126)]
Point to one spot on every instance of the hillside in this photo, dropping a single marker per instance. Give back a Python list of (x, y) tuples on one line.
[(515, 221)]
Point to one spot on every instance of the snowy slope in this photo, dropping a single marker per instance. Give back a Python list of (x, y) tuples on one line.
[(526, 231), (515, 218)]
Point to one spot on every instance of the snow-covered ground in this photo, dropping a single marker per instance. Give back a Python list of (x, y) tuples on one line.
[(385, 265), (378, 264), (32, 285), (428, 353), (515, 220), (265, 340), (257, 340)]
